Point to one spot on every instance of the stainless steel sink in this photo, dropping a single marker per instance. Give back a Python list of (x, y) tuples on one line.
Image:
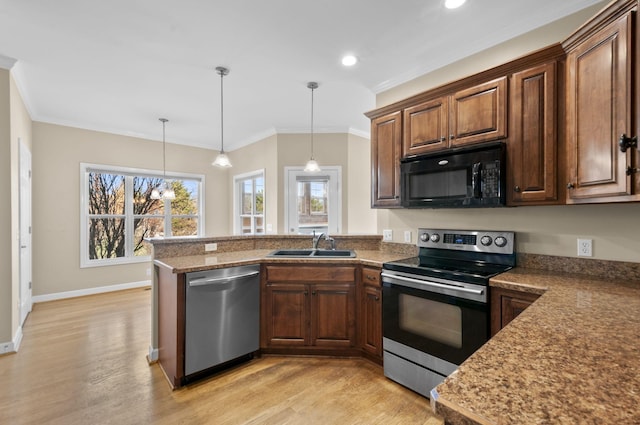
[(306, 253)]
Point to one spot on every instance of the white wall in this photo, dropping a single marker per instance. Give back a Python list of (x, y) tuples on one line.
[(540, 230)]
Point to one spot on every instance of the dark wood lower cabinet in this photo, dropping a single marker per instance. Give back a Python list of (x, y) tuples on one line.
[(308, 309), (506, 305), (370, 314)]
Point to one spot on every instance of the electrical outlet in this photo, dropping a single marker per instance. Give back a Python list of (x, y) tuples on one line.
[(148, 271), (585, 248), (208, 247), (407, 236), (387, 235)]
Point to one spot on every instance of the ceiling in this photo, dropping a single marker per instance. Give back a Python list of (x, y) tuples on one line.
[(119, 65)]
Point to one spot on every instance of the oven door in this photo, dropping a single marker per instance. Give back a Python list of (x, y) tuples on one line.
[(444, 324)]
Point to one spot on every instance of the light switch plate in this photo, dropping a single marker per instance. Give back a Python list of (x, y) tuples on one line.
[(387, 235), (407, 236), (208, 247)]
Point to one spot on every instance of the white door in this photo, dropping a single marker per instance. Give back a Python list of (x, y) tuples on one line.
[(25, 232), (313, 201)]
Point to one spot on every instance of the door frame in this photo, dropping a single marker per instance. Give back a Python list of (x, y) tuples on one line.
[(25, 219)]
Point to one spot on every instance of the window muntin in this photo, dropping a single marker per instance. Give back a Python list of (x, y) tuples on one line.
[(118, 213)]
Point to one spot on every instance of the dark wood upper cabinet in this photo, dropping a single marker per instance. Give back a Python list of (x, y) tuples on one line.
[(533, 142), (386, 147), (601, 103), (472, 115), (479, 113)]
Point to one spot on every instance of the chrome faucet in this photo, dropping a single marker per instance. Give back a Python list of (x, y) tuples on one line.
[(316, 239)]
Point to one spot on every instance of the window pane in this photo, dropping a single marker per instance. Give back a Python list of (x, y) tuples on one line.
[(312, 206), (147, 227), (247, 197), (106, 193), (181, 226), (106, 238), (142, 202), (259, 225), (260, 195), (186, 202)]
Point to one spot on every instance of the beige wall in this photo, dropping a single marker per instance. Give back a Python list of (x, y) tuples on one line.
[(258, 156), (361, 218), (57, 154), (540, 230)]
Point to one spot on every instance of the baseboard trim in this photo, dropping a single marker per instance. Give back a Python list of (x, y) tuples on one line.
[(90, 291), (12, 346)]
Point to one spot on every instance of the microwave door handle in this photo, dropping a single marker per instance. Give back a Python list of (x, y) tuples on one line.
[(476, 180)]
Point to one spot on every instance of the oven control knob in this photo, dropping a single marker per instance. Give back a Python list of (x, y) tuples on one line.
[(435, 237), (501, 241), (424, 237), (486, 240)]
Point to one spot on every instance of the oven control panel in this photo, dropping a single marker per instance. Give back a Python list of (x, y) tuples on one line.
[(496, 242)]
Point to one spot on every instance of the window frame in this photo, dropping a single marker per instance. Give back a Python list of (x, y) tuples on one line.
[(237, 202), (129, 216)]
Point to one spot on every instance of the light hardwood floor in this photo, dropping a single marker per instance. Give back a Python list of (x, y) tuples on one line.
[(82, 361)]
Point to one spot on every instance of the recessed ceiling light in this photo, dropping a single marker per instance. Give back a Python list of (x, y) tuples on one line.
[(453, 4), (349, 60)]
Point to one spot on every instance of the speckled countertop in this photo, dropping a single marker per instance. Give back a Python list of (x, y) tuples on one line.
[(573, 357), (193, 263)]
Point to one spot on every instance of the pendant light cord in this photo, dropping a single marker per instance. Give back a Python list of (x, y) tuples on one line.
[(222, 71), (312, 86), (164, 152)]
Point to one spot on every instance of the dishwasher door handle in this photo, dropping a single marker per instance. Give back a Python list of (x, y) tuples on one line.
[(224, 279)]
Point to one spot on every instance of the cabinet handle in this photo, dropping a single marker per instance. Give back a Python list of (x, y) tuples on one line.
[(630, 170), (516, 189), (570, 186), (371, 278), (451, 136), (377, 298), (306, 293), (313, 292), (443, 139), (627, 142)]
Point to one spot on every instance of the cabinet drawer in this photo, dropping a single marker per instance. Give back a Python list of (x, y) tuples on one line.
[(371, 276), (310, 274)]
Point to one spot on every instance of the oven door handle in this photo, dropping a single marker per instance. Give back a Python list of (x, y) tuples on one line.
[(434, 284)]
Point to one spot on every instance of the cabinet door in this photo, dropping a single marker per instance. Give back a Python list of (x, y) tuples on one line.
[(286, 312), (479, 114), (386, 146), (506, 305), (371, 320), (426, 127), (533, 137), (333, 315), (598, 112)]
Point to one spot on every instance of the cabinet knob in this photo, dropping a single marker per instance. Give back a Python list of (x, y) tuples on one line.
[(313, 292), (626, 142), (443, 139), (516, 189), (377, 298), (451, 136), (306, 293), (570, 185)]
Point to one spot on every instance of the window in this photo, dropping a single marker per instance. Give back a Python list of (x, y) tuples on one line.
[(118, 213), (313, 201), (249, 203)]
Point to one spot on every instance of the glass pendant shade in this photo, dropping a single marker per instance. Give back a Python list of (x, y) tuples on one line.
[(312, 166), (222, 160), (155, 194), (168, 193)]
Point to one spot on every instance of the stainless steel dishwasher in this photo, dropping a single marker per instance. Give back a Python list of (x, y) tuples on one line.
[(222, 316)]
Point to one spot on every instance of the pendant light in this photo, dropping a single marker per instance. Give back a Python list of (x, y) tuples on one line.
[(312, 165), (167, 192), (222, 160)]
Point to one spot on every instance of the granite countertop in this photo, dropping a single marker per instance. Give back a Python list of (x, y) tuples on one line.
[(573, 357), (213, 260)]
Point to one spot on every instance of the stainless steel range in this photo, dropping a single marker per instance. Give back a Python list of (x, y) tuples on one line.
[(435, 306)]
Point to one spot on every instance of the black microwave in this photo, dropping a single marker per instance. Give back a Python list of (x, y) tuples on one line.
[(469, 177)]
